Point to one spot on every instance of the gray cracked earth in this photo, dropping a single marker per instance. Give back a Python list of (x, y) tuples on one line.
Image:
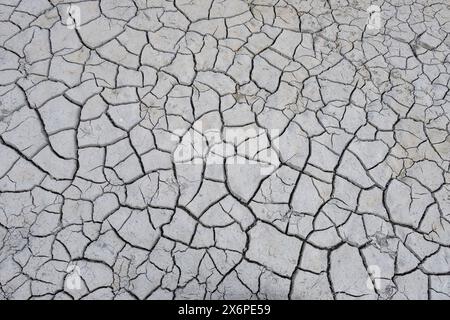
[(118, 179)]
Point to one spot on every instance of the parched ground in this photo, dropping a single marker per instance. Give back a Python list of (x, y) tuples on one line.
[(233, 149)]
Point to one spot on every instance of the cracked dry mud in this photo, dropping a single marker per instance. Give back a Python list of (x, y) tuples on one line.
[(92, 118)]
